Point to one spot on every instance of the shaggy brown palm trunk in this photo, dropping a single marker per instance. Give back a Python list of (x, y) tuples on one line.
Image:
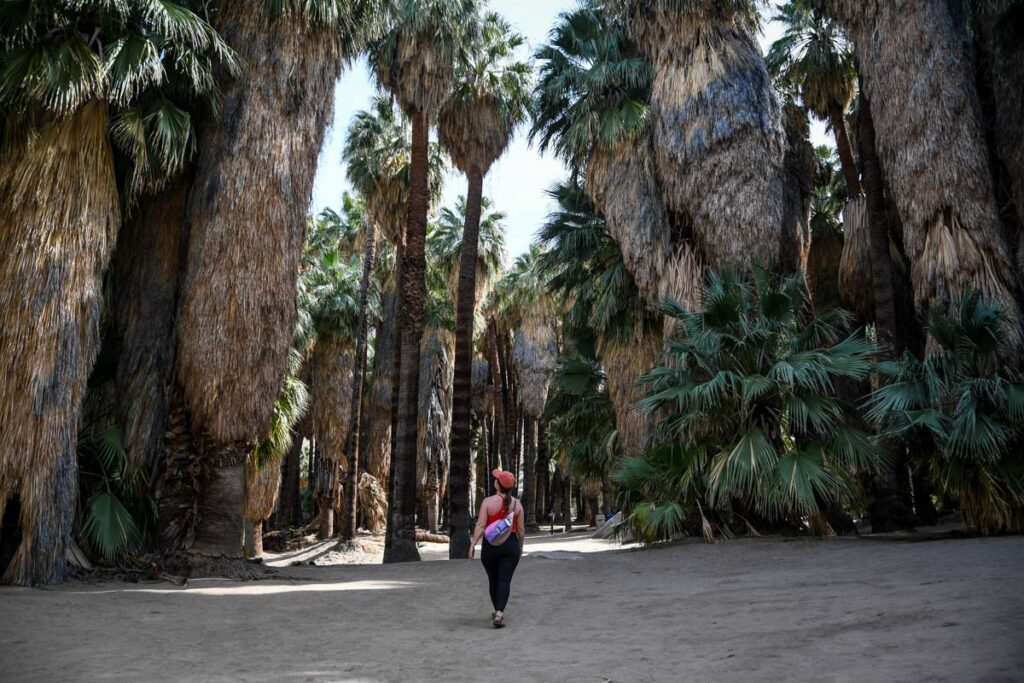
[(530, 474), (348, 525), (147, 274), (718, 141), (237, 311), (845, 149), (462, 385), (400, 540), (933, 152), (59, 216)]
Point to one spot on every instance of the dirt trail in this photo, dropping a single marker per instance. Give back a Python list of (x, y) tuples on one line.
[(748, 610)]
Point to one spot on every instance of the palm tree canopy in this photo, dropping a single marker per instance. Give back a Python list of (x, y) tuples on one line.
[(813, 57), (415, 60), (152, 62), (447, 244), (378, 157), (520, 291), (593, 87), (489, 100)]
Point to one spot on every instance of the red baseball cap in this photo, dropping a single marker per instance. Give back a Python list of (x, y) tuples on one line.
[(506, 479)]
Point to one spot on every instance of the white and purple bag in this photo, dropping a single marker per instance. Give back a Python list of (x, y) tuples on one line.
[(498, 527)]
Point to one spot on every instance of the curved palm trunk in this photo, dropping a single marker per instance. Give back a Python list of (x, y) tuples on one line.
[(462, 385), (845, 149), (348, 526), (718, 138), (59, 216), (237, 312), (400, 540)]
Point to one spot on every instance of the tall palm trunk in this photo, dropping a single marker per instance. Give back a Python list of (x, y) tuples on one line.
[(59, 216), (348, 527), (289, 506), (543, 475), (530, 474), (883, 292), (400, 540), (237, 311), (378, 432), (465, 306), (845, 149), (147, 277)]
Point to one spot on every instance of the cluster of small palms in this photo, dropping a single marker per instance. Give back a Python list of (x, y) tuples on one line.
[(960, 412), (751, 418)]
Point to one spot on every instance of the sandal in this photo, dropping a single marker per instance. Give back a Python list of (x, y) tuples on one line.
[(499, 620)]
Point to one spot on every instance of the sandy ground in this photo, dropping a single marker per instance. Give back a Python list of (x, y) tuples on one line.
[(747, 610)]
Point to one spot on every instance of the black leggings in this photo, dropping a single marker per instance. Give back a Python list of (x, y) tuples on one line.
[(500, 563)]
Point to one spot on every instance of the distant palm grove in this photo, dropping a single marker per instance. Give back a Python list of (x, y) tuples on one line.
[(720, 330)]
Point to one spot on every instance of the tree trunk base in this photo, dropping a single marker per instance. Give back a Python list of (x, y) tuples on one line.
[(403, 549)]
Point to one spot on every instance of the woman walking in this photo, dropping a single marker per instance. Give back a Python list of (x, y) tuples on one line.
[(501, 524)]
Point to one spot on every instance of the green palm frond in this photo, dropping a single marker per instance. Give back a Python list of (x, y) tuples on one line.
[(593, 87), (959, 410), (812, 57), (750, 380), (152, 61)]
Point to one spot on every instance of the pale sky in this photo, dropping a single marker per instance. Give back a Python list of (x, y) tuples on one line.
[(517, 182)]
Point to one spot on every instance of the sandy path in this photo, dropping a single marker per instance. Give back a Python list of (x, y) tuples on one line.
[(843, 610)]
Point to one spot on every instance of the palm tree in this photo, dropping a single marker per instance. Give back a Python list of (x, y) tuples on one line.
[(333, 286), (463, 235), (97, 105), (437, 350), (488, 102), (717, 133), (943, 192), (531, 313), (586, 269), (823, 263), (751, 424), (591, 106), (814, 57), (263, 466), (415, 60), (242, 272), (958, 412), (377, 159)]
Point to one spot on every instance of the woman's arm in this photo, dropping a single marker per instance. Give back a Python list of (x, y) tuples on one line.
[(520, 524), (478, 530)]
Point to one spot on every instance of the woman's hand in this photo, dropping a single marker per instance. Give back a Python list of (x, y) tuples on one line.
[(472, 550)]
